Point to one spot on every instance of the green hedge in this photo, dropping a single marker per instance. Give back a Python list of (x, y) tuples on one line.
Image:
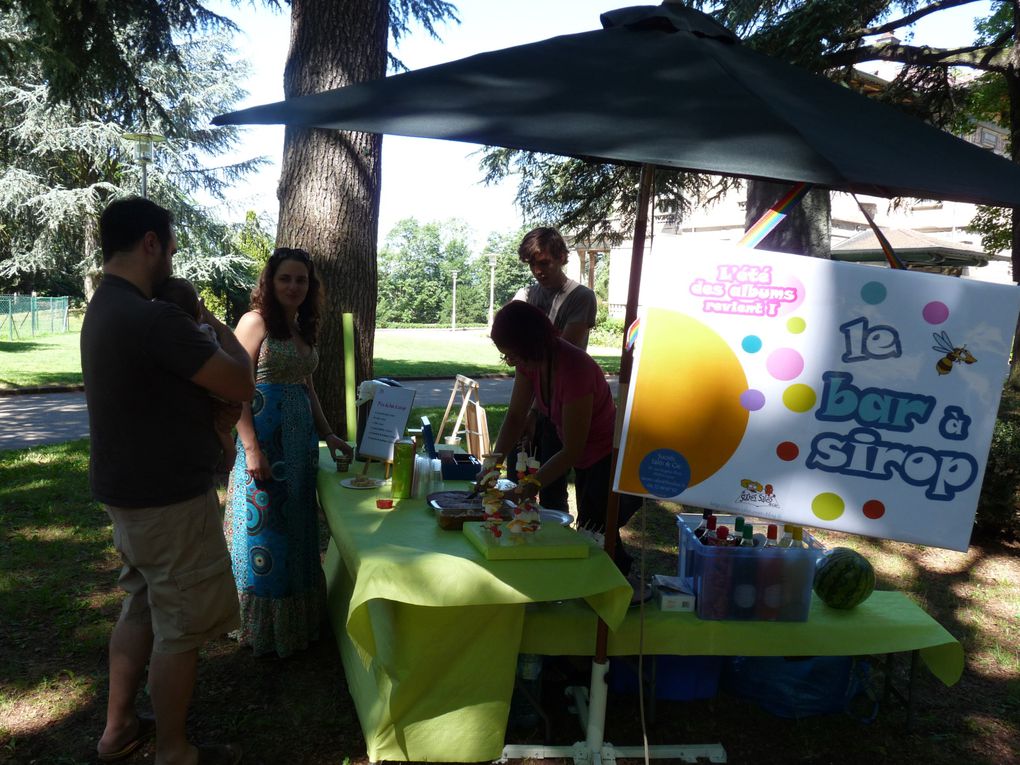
[(998, 510), (399, 325), (607, 333)]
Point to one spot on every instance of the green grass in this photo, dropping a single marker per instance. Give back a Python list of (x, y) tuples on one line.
[(54, 360), (440, 353), (42, 361)]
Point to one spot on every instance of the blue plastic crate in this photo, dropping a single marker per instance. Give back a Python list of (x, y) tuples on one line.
[(747, 583), (677, 678)]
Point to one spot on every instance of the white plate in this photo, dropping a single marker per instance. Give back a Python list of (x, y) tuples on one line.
[(555, 516), (349, 483)]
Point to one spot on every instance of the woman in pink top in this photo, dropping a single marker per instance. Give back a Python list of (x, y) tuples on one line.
[(565, 384)]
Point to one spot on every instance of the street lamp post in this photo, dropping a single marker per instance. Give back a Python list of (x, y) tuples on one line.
[(453, 308), (492, 285), (144, 143)]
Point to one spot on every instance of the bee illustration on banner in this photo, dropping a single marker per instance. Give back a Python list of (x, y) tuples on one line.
[(953, 354)]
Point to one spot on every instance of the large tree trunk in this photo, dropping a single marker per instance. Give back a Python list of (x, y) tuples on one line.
[(806, 229), (1013, 88), (329, 182)]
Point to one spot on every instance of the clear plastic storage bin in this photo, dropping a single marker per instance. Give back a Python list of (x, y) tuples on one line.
[(747, 583)]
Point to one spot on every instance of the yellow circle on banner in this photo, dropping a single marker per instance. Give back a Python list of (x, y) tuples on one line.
[(686, 398), (828, 506), (796, 325), (799, 397)]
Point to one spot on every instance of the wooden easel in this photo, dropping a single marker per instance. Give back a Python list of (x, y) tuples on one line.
[(468, 390), (387, 464)]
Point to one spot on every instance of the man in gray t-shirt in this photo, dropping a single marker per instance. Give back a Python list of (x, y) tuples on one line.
[(571, 307)]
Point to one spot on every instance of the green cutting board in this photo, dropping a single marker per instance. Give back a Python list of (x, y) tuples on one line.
[(550, 541)]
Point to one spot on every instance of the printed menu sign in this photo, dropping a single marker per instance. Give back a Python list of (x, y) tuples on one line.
[(818, 393), (386, 422)]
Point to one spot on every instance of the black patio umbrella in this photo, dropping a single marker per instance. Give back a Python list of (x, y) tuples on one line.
[(663, 86)]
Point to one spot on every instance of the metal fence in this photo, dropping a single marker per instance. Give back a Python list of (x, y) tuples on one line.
[(24, 316)]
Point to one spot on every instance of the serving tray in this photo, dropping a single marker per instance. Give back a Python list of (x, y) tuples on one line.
[(550, 541)]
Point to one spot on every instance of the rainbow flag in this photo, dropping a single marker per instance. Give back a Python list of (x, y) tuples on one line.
[(773, 216), (632, 334)]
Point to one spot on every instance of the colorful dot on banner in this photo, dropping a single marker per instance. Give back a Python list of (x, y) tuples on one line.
[(785, 363), (873, 293), (796, 325), (799, 397), (873, 509), (788, 451), (751, 344), (752, 400), (828, 506), (935, 312)]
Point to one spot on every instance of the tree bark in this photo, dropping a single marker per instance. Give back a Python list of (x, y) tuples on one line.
[(1013, 88), (329, 181), (806, 230), (90, 250)]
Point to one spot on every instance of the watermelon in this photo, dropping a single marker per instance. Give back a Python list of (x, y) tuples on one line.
[(843, 578)]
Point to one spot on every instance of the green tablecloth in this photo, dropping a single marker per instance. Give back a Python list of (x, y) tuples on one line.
[(887, 622), (429, 630)]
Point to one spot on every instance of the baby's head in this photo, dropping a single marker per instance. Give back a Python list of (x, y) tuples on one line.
[(181, 293)]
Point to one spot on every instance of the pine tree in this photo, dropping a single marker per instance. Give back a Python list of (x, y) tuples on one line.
[(63, 162)]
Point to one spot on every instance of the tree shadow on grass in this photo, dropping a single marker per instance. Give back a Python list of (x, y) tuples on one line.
[(293, 710), (43, 380), (59, 600), (609, 363), (405, 369), (21, 346)]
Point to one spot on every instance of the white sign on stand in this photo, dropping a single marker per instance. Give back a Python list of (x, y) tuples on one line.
[(386, 422), (818, 393)]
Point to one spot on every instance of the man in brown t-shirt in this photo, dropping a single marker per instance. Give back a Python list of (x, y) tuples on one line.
[(148, 372)]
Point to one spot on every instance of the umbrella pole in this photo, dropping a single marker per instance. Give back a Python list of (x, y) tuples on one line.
[(599, 689), (637, 255), (595, 745)]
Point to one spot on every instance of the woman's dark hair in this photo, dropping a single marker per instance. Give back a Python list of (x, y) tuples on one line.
[(263, 297), (524, 331)]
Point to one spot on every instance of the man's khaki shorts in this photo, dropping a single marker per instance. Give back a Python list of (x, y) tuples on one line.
[(176, 571)]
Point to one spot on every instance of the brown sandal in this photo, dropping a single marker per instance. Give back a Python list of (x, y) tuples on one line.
[(146, 730)]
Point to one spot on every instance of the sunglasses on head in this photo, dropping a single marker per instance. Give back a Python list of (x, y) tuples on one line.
[(291, 253)]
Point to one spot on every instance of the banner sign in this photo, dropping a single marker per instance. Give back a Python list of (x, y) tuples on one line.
[(818, 393)]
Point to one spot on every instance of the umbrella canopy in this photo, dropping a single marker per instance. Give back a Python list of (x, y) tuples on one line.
[(664, 85)]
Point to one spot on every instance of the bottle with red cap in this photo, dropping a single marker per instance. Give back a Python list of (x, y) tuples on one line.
[(770, 576), (710, 535), (719, 537), (703, 526)]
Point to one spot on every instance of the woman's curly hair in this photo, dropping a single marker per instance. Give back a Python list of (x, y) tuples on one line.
[(263, 297)]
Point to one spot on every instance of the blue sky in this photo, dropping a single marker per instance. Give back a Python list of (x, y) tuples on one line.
[(436, 180)]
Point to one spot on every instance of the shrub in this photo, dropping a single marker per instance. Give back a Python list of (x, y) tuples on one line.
[(607, 333), (998, 510)]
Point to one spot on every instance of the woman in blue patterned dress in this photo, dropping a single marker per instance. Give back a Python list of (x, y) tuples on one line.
[(271, 521)]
